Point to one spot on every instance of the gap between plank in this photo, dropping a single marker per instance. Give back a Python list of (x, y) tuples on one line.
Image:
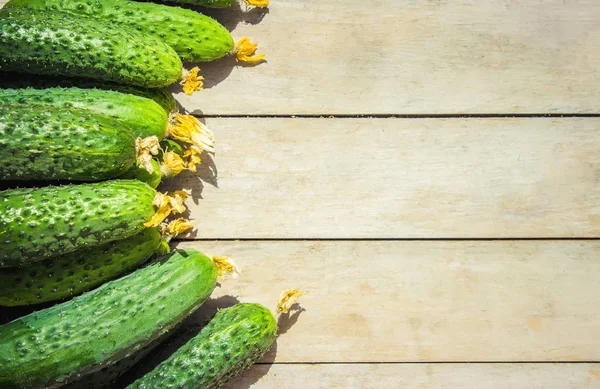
[(381, 239), (406, 116), (429, 363)]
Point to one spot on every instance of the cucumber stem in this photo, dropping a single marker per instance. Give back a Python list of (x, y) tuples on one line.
[(145, 148), (288, 298), (191, 81), (244, 51)]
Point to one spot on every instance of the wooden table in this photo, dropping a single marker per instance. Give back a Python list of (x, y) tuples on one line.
[(428, 171)]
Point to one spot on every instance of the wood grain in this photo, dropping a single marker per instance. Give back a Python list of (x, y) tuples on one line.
[(421, 376), (410, 57), (398, 178), (422, 301)]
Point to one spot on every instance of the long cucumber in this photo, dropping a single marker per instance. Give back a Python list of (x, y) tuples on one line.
[(39, 223), (71, 274), (53, 43), (41, 143), (54, 346), (195, 37)]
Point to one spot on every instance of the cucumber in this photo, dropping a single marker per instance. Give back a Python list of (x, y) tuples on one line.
[(195, 37), (143, 116), (162, 96), (232, 341), (56, 345), (39, 223), (39, 143), (54, 43), (76, 272), (71, 274)]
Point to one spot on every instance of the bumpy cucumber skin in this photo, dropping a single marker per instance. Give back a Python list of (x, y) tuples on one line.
[(42, 42), (232, 341), (60, 344), (39, 223), (162, 96), (138, 173), (208, 3), (42, 143), (68, 275), (141, 115), (195, 37)]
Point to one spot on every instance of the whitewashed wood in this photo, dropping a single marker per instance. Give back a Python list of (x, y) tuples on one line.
[(411, 57), (399, 178), (421, 376), (423, 301)]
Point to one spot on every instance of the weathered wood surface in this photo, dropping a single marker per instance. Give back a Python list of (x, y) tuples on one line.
[(410, 57), (421, 376), (399, 178), (423, 301)]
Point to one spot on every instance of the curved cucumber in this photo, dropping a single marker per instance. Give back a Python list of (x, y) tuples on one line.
[(195, 37), (43, 143), (161, 96), (144, 117), (76, 272), (59, 344), (38, 223), (232, 341), (50, 42)]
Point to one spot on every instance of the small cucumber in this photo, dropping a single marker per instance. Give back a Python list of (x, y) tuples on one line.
[(54, 346), (232, 341), (39, 223), (143, 116), (195, 37), (53, 43), (40, 143)]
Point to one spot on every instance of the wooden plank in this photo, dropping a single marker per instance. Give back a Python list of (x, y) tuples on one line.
[(410, 57), (394, 301), (399, 178), (420, 376)]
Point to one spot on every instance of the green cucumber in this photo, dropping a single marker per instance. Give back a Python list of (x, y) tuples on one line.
[(162, 96), (195, 37), (60, 344), (139, 173), (39, 223), (233, 340), (67, 275), (141, 115), (53, 43), (42, 143)]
